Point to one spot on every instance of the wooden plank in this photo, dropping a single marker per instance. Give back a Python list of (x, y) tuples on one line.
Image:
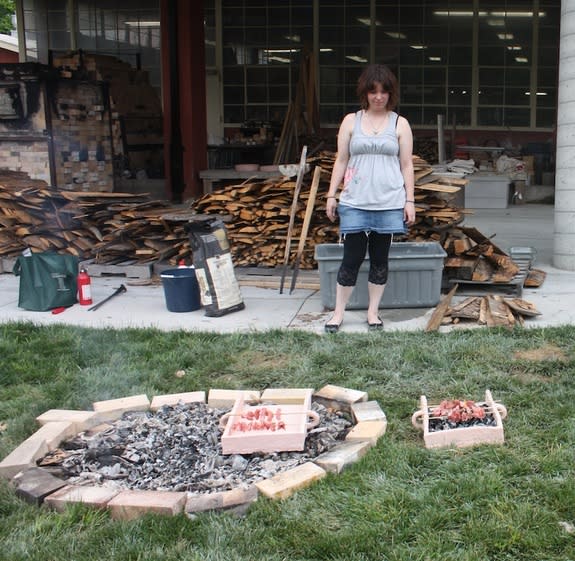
[(305, 227), (535, 278), (440, 310), (299, 180), (438, 187)]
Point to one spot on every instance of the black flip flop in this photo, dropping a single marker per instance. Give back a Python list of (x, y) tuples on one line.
[(332, 327), (375, 326)]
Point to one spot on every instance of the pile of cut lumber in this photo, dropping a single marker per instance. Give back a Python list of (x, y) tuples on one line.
[(436, 198), (117, 227), (259, 212), (110, 227), (473, 257), (260, 216), (491, 311)]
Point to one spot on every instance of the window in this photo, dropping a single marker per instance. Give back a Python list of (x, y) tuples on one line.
[(263, 44), (481, 63), (130, 32), (505, 62), (344, 38)]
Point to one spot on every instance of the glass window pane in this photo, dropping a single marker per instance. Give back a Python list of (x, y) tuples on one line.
[(428, 43)]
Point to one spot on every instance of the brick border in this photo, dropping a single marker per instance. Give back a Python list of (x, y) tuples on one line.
[(38, 486)]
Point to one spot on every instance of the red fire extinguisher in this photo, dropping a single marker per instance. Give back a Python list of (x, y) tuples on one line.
[(84, 288)]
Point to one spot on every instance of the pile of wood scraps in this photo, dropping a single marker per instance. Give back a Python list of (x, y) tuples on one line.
[(108, 227), (476, 263), (473, 260), (436, 202), (260, 225), (260, 212), (491, 311)]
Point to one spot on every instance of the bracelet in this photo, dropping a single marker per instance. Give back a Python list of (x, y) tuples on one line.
[(409, 201), (331, 197)]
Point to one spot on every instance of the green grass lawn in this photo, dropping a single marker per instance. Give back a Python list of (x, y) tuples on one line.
[(401, 502)]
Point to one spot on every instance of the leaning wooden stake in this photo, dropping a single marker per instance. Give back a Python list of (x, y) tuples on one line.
[(439, 312), (299, 180), (306, 223)]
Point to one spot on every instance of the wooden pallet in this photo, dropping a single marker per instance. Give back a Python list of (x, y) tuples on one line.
[(126, 269), (478, 288), (262, 277)]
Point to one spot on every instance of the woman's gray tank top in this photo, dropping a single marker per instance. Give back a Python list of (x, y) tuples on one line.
[(373, 179)]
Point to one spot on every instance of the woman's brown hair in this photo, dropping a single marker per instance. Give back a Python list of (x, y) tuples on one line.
[(378, 74)]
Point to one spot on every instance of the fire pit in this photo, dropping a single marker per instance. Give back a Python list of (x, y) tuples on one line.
[(133, 456)]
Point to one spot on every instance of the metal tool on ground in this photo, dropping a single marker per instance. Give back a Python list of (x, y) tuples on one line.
[(119, 290), (293, 210), (305, 226)]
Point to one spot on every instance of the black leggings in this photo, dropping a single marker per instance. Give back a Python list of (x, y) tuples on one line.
[(354, 250)]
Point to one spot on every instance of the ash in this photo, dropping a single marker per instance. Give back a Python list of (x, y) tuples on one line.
[(178, 448)]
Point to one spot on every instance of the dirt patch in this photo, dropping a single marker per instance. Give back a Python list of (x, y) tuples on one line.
[(550, 353), (259, 360)]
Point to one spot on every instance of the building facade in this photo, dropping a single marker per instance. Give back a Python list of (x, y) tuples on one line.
[(490, 69)]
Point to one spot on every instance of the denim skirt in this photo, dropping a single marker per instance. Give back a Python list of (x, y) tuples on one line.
[(353, 220)]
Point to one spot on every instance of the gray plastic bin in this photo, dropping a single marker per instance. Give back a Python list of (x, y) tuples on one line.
[(414, 281)]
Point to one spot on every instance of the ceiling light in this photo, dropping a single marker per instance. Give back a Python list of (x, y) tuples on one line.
[(516, 14), (418, 47), (435, 58), (396, 35), (521, 59), (367, 21), (142, 23), (470, 13), (279, 59), (496, 22), (294, 38), (356, 58), (456, 13), (514, 47), (504, 36)]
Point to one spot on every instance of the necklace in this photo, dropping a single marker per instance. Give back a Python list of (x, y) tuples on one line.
[(376, 128)]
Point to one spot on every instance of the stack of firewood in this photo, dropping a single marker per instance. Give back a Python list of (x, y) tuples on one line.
[(117, 227), (259, 212), (111, 227), (472, 256), (491, 310), (259, 218)]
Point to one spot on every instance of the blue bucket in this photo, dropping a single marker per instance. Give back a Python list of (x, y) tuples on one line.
[(181, 289)]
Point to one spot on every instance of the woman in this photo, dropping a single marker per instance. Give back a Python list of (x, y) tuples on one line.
[(374, 163)]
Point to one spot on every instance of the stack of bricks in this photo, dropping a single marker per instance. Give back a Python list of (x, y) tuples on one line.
[(28, 156), (136, 107), (82, 140), (24, 145)]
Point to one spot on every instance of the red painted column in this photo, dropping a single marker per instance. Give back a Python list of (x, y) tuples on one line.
[(184, 97)]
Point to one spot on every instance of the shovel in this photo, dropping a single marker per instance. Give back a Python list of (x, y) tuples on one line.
[(115, 293)]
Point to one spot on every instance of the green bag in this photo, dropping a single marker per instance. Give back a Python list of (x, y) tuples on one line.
[(47, 281)]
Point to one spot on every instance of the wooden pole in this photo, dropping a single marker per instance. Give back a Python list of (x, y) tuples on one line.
[(300, 174), (306, 223)]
